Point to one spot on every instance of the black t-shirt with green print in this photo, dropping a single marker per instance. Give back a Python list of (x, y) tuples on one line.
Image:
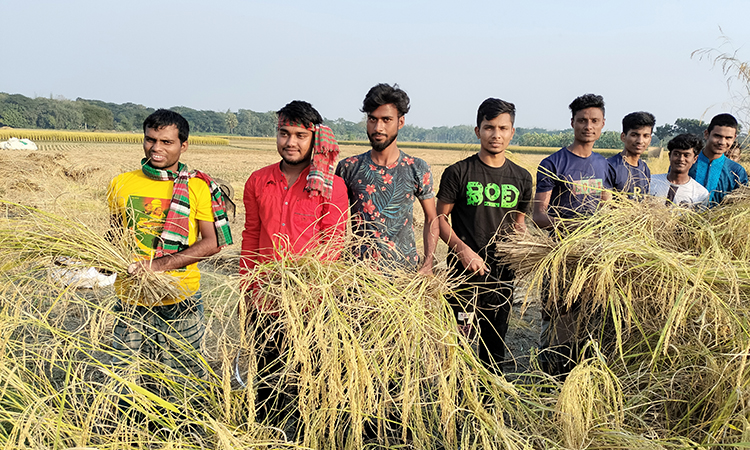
[(482, 196)]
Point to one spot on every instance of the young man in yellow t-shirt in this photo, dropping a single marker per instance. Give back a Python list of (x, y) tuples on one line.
[(177, 218)]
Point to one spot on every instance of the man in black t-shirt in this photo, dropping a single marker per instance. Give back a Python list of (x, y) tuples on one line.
[(486, 196)]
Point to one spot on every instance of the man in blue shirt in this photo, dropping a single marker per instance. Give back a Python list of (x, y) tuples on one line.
[(570, 184), (714, 171), (632, 174)]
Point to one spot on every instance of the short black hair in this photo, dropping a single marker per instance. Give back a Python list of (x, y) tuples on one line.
[(686, 141), (300, 112), (587, 101), (384, 94), (163, 118), (636, 120), (723, 120), (493, 107)]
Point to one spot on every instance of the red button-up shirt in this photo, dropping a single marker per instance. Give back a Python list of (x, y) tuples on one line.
[(282, 220)]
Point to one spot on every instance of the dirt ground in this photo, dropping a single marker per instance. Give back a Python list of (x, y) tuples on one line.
[(523, 332)]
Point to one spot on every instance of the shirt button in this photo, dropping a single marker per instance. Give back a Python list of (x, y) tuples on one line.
[(283, 224), (286, 203)]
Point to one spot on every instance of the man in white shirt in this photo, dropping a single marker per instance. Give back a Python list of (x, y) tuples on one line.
[(676, 186)]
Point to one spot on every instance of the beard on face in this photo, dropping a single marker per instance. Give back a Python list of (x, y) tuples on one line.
[(379, 147), (293, 163), (297, 162)]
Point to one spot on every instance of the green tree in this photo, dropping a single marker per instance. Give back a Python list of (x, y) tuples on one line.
[(231, 120), (13, 116), (96, 117), (609, 139), (664, 131), (694, 126)]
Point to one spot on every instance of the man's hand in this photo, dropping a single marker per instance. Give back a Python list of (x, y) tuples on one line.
[(472, 262), (201, 249), (540, 215), (141, 266)]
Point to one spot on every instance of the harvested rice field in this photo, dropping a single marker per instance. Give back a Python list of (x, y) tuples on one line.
[(375, 361)]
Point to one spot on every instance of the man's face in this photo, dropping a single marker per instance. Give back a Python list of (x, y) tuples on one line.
[(383, 125), (719, 140), (587, 125), (294, 144), (636, 140), (163, 148), (495, 135), (680, 161)]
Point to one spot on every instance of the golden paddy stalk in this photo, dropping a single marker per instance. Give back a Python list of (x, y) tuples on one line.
[(375, 359), (45, 239), (668, 289), (86, 136)]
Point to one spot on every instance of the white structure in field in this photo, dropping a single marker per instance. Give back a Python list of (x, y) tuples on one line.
[(18, 144)]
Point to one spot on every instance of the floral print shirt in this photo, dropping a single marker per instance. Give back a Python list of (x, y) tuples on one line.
[(382, 199)]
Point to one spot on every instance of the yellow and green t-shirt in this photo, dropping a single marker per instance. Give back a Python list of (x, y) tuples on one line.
[(142, 204)]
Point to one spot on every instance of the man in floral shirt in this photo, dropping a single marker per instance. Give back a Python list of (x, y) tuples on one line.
[(383, 184)]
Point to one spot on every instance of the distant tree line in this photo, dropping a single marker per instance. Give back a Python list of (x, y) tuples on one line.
[(558, 138), (19, 111)]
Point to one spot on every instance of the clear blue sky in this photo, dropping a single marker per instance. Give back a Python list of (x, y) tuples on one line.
[(448, 55)]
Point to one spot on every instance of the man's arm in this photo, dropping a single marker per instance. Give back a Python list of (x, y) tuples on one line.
[(519, 221), (335, 220), (251, 231), (540, 215), (205, 247), (430, 234), (471, 261)]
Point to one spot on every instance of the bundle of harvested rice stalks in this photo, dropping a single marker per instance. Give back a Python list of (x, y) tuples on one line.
[(367, 357), (675, 296), (35, 237), (634, 250)]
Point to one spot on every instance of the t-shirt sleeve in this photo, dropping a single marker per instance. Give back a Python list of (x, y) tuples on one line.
[(742, 176), (339, 168), (424, 180), (620, 174), (544, 176), (202, 197), (112, 197), (524, 205), (610, 177), (115, 203), (343, 168), (449, 185)]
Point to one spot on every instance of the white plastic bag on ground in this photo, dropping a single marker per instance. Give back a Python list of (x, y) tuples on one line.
[(70, 272), (18, 144)]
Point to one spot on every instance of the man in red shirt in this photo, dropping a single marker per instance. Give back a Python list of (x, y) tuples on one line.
[(295, 205), (291, 207)]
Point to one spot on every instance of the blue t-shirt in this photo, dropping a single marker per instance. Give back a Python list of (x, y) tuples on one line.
[(732, 175), (576, 183), (382, 200), (630, 179)]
